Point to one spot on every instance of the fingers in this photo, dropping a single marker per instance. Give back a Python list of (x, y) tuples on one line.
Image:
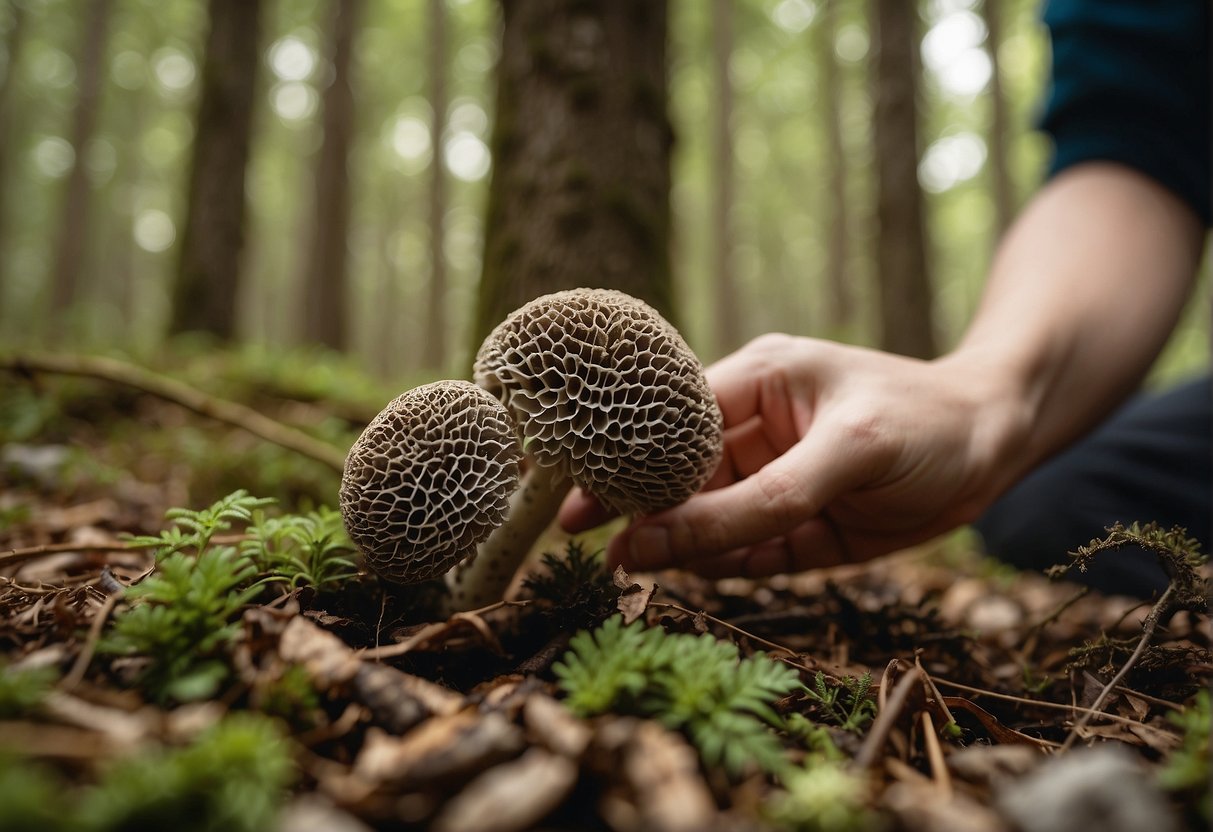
[(781, 497)]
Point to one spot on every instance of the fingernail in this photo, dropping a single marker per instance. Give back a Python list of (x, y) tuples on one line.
[(649, 547)]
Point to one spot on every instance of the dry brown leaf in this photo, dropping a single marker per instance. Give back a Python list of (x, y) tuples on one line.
[(512, 796), (400, 701), (440, 749), (553, 727), (634, 598), (918, 806), (328, 660), (662, 772)]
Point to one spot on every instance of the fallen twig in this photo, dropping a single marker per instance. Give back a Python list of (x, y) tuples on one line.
[(129, 375)]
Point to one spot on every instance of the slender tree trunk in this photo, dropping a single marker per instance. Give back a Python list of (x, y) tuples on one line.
[(841, 304), (725, 296), (213, 236), (1004, 194), (581, 148), (72, 238), (437, 321), (14, 45), (326, 282), (907, 325)]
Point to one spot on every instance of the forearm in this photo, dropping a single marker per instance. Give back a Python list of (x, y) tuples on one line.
[(1082, 296)]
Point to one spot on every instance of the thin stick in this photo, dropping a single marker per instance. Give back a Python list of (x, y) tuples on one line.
[(76, 674), (1147, 633), (34, 552), (1042, 703), (883, 724), (231, 413), (939, 768), (733, 627)]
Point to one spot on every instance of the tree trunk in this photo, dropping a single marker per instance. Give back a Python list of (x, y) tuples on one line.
[(840, 309), (77, 202), (14, 45), (581, 148), (437, 321), (906, 321), (326, 284), (213, 236), (1004, 195), (725, 296)]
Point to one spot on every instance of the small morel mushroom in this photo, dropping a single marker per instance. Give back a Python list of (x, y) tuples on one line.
[(429, 479), (604, 393)]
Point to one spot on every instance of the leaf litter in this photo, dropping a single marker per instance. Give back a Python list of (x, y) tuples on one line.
[(927, 690)]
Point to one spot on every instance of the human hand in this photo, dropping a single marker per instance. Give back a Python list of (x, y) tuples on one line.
[(832, 453)]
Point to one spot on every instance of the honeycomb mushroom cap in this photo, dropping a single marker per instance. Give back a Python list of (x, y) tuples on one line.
[(429, 479), (602, 386)]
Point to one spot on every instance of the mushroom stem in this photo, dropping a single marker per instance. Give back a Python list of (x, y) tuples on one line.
[(482, 580)]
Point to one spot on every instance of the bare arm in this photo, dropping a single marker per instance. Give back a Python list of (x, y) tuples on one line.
[(837, 453)]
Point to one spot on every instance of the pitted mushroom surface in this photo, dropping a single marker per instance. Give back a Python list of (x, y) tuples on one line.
[(603, 388), (429, 479)]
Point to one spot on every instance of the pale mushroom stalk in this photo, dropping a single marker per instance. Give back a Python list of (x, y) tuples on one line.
[(484, 579)]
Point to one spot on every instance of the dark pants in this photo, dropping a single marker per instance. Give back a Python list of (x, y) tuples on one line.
[(1152, 460)]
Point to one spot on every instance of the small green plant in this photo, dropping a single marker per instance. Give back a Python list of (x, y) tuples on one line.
[(1188, 769), (192, 530), (22, 691), (848, 705), (695, 684), (182, 622), (303, 549), (822, 796), (233, 778), (30, 796)]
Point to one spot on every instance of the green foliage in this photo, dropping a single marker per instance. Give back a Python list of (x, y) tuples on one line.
[(1188, 769), (695, 684), (310, 549), (22, 691), (182, 621), (30, 798), (233, 778), (821, 797), (849, 705), (193, 530)]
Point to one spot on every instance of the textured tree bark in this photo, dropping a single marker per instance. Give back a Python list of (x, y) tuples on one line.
[(436, 324), (1000, 177), (726, 298), (581, 149), (77, 199), (906, 320), (840, 309), (213, 235), (326, 308)]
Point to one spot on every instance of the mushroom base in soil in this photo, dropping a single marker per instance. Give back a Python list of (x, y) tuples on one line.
[(594, 385)]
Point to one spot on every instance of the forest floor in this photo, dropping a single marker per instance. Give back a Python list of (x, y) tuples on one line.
[(233, 669)]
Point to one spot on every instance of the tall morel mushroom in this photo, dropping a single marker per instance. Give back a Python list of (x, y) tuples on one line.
[(604, 393)]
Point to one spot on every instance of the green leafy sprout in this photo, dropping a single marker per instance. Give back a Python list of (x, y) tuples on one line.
[(306, 549), (848, 705), (695, 684), (1188, 768), (233, 777)]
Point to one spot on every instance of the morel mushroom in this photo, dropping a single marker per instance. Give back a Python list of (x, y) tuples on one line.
[(429, 478), (594, 385), (604, 393)]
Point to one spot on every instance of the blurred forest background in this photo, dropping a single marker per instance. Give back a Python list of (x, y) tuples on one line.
[(316, 174)]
